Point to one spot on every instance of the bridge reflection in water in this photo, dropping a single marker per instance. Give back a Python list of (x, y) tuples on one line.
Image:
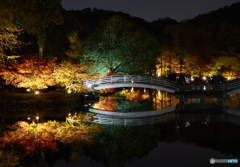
[(226, 115)]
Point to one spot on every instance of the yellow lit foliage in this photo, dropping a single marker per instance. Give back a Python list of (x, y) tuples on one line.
[(30, 73), (108, 103), (42, 137), (9, 158), (134, 96), (71, 75)]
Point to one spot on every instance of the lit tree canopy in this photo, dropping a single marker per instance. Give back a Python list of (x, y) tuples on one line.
[(227, 66), (9, 33), (29, 73), (76, 46), (35, 73), (9, 40), (35, 16), (120, 47), (71, 75)]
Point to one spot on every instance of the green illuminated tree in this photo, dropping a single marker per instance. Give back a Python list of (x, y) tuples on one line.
[(120, 47)]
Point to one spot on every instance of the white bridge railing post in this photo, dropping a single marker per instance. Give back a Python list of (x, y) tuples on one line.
[(124, 78), (111, 80)]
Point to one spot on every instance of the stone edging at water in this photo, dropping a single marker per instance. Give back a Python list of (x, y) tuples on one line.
[(133, 114)]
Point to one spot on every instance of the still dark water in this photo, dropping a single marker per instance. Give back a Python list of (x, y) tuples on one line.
[(184, 137), (165, 154)]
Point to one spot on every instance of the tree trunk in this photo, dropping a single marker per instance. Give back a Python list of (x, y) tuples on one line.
[(3, 59), (161, 66), (40, 56)]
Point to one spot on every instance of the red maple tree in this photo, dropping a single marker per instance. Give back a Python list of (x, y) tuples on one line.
[(30, 72)]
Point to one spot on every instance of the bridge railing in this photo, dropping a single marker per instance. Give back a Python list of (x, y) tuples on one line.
[(109, 120), (235, 84), (131, 79), (200, 87), (163, 82)]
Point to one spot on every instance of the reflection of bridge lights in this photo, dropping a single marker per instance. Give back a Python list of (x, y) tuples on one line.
[(159, 93), (204, 78), (28, 118), (132, 89), (89, 85), (204, 88), (37, 92), (144, 90), (69, 114), (37, 117), (192, 78), (187, 124), (28, 90)]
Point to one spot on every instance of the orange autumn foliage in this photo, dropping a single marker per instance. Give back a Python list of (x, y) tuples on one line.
[(110, 90), (134, 96), (32, 139), (30, 72), (43, 137), (106, 103)]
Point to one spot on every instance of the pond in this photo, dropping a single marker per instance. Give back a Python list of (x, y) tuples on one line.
[(186, 136)]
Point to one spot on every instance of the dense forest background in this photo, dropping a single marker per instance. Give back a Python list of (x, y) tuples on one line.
[(115, 42)]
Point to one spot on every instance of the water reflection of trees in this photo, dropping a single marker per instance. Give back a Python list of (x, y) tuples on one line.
[(218, 136), (234, 101), (42, 140), (117, 145), (138, 100)]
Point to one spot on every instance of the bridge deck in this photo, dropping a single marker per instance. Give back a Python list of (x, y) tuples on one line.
[(118, 81)]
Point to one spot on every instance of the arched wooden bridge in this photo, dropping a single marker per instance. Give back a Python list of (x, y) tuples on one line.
[(121, 81)]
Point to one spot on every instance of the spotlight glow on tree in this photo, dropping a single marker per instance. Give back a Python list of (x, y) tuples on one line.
[(30, 72)]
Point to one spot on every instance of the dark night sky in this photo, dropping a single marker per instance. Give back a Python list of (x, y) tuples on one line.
[(152, 9)]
